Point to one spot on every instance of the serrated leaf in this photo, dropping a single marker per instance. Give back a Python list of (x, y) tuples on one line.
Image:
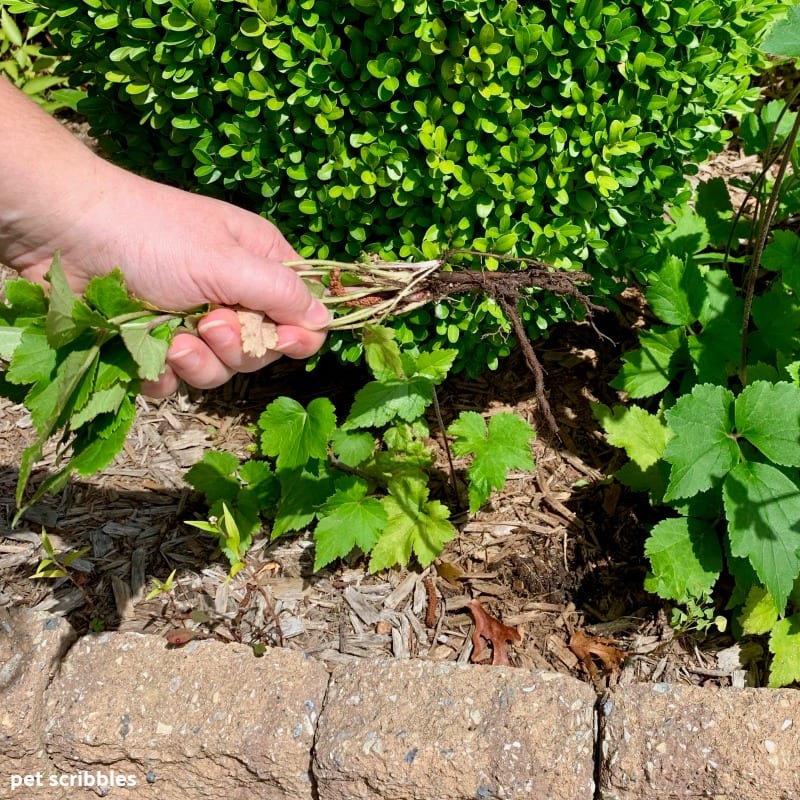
[(643, 436), (213, 476), (348, 519), (783, 37), (10, 337), (352, 447), (503, 446), (108, 295), (414, 525), (714, 205), (148, 351), (303, 492), (759, 613), (99, 448), (380, 402), (435, 364), (685, 558), (33, 359), (27, 300), (649, 369), (688, 233), (762, 506), (59, 324), (784, 644), (382, 351), (783, 254), (677, 292), (294, 434), (768, 416), (104, 401), (702, 449)]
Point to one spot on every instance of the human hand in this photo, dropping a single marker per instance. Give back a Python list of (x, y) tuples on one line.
[(175, 249)]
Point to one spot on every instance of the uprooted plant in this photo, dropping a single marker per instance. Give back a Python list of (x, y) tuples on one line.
[(77, 364)]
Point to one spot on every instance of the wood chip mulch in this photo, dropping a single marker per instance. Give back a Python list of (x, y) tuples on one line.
[(557, 554)]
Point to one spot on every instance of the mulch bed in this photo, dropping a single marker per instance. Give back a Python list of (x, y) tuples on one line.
[(557, 554)]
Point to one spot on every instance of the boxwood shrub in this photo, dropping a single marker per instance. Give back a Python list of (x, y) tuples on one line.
[(556, 129)]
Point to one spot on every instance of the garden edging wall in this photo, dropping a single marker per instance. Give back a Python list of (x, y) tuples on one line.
[(119, 715)]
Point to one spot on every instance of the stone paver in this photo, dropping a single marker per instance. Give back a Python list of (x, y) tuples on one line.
[(122, 716), (661, 742), (31, 646), (208, 720), (401, 730)]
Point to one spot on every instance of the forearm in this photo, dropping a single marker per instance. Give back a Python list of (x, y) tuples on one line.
[(48, 178)]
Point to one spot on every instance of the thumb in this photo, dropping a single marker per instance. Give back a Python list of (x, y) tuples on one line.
[(268, 286)]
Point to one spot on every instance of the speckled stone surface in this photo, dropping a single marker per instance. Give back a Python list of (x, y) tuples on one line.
[(31, 646), (208, 720), (664, 742), (122, 716), (402, 730)]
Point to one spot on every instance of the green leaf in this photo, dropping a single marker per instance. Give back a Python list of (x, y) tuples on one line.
[(783, 38), (783, 254), (149, 352), (98, 449), (759, 613), (352, 447), (33, 359), (294, 434), (102, 402), (677, 292), (382, 351), (414, 525), (347, 520), (685, 558), (688, 234), (784, 644), (643, 436), (650, 369), (768, 416), (762, 506), (213, 476), (303, 492), (59, 324), (27, 299), (702, 448), (108, 295), (503, 446), (435, 364), (380, 402)]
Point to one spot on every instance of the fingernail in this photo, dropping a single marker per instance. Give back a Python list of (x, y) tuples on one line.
[(290, 347), (216, 332), (318, 315), (185, 359)]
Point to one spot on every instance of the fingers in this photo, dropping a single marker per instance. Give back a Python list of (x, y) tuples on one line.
[(272, 288), (215, 355)]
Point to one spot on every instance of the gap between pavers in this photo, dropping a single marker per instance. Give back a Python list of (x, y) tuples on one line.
[(210, 720)]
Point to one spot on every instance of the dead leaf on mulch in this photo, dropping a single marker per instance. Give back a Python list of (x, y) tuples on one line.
[(587, 648), (491, 630), (258, 334)]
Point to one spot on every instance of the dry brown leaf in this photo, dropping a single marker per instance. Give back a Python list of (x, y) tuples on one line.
[(587, 648), (491, 630), (450, 572), (177, 637), (258, 334)]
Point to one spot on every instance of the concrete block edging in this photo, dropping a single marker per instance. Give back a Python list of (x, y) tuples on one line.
[(119, 715)]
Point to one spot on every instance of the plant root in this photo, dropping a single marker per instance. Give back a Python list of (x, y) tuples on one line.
[(384, 289)]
